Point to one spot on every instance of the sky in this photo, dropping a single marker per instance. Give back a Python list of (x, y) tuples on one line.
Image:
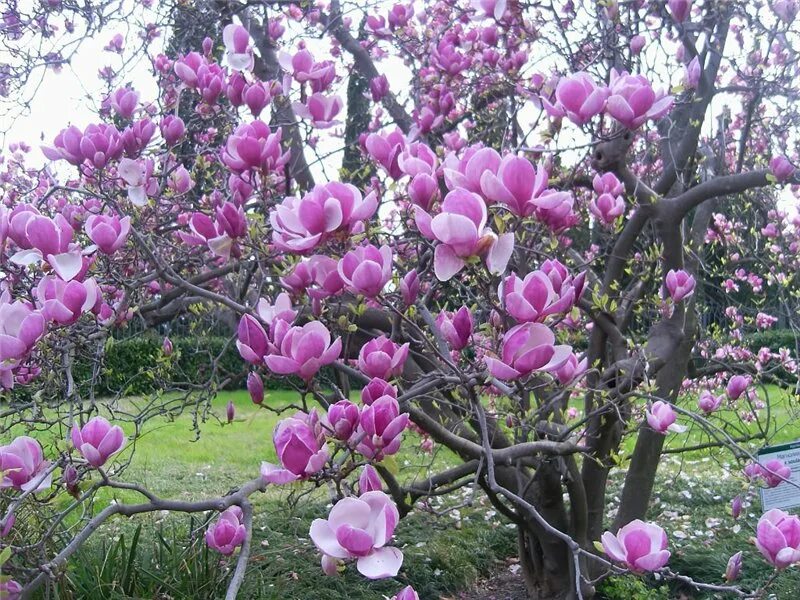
[(72, 96)]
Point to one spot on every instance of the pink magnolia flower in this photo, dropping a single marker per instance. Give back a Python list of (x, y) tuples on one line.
[(172, 129), (409, 287), (382, 358), (607, 208), (418, 159), (65, 302), (115, 44), (607, 183), (38, 236), (281, 309), (254, 146), (378, 87), (230, 411), (381, 428), (98, 440), (186, 68), (343, 417), (456, 328), (680, 9), (166, 346), (360, 528), (210, 82), (10, 589), (257, 97), (138, 177), (124, 102), (231, 220), (461, 229), (320, 109), (774, 472), (255, 387), (491, 8), (737, 385), (558, 214), (778, 538), (694, 71), (609, 205), (468, 171), (632, 100), (330, 565), (22, 466), (661, 417), (302, 350), (205, 232), (399, 15), (97, 145), (376, 388), (679, 284), (135, 137), (640, 546), (20, 328), (327, 70), (369, 480), (302, 66), (179, 180), (578, 97), (238, 53), (301, 452), (376, 24), (708, 402), (536, 297), (385, 149), (407, 593), (520, 186), (252, 341), (571, 370), (108, 233), (228, 532), (734, 567), (302, 224), (366, 270), (637, 44), (785, 9), (325, 275), (527, 348), (736, 507), (422, 190), (235, 87), (781, 168)]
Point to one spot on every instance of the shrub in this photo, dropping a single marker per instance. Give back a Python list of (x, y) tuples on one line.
[(774, 339), (137, 365)]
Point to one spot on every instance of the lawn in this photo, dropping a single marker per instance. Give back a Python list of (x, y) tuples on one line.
[(444, 553)]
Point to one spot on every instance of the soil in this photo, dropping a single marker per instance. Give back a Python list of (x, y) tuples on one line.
[(503, 585)]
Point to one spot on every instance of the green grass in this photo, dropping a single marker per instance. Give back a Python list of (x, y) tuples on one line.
[(172, 462), (171, 560)]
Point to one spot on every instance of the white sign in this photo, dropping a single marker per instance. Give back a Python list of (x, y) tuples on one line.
[(787, 493)]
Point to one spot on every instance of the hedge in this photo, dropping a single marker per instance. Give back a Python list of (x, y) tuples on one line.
[(137, 365), (774, 339)]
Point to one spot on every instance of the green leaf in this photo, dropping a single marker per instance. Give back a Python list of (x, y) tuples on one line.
[(390, 462)]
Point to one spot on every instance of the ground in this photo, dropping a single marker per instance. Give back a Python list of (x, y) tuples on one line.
[(502, 585), (450, 545)]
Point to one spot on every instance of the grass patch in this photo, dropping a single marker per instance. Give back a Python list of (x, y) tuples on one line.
[(167, 557)]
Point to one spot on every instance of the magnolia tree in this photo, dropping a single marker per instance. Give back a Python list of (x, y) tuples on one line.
[(506, 225)]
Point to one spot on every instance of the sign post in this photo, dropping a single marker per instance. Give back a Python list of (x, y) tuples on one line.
[(785, 495)]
